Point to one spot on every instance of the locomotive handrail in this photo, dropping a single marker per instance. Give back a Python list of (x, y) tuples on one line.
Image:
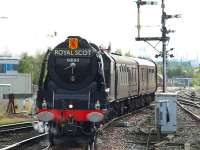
[(40, 83)]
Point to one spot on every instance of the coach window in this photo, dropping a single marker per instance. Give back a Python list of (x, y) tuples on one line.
[(149, 70), (127, 74), (120, 75), (150, 74), (135, 76), (132, 77), (142, 70), (153, 73), (124, 75)]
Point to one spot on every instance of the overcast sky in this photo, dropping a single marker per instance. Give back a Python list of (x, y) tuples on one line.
[(31, 23)]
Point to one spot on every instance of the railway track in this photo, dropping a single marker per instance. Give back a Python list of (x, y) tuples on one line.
[(16, 127), (111, 123), (189, 102), (186, 108), (123, 122), (18, 136), (189, 95), (108, 124), (25, 143)]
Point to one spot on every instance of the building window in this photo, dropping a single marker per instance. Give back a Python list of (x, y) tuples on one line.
[(2, 68), (9, 67), (15, 67)]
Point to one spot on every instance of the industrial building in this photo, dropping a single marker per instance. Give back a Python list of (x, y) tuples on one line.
[(11, 81)]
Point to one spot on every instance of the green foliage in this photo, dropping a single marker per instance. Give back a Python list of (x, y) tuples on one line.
[(196, 74), (129, 54), (25, 64), (31, 64), (181, 70), (177, 69), (118, 51)]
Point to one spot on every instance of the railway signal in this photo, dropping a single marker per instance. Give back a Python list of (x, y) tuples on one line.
[(164, 38), (167, 54)]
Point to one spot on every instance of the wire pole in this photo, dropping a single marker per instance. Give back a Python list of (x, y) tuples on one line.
[(164, 39)]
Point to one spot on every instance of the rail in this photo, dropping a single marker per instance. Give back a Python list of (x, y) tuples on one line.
[(16, 127), (196, 117), (20, 144)]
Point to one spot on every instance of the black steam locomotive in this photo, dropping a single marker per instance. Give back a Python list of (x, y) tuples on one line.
[(82, 86)]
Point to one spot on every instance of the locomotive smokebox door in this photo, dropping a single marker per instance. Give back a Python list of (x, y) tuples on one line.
[(165, 112)]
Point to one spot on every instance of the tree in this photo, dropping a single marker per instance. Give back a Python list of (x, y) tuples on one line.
[(118, 51), (196, 74), (177, 69), (129, 54), (26, 63), (31, 64), (37, 64)]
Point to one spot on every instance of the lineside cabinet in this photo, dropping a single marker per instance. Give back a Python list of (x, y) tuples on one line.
[(165, 112)]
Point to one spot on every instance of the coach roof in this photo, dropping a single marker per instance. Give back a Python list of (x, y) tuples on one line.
[(124, 60), (144, 62)]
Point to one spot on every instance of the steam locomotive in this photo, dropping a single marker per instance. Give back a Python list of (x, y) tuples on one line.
[(82, 87)]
